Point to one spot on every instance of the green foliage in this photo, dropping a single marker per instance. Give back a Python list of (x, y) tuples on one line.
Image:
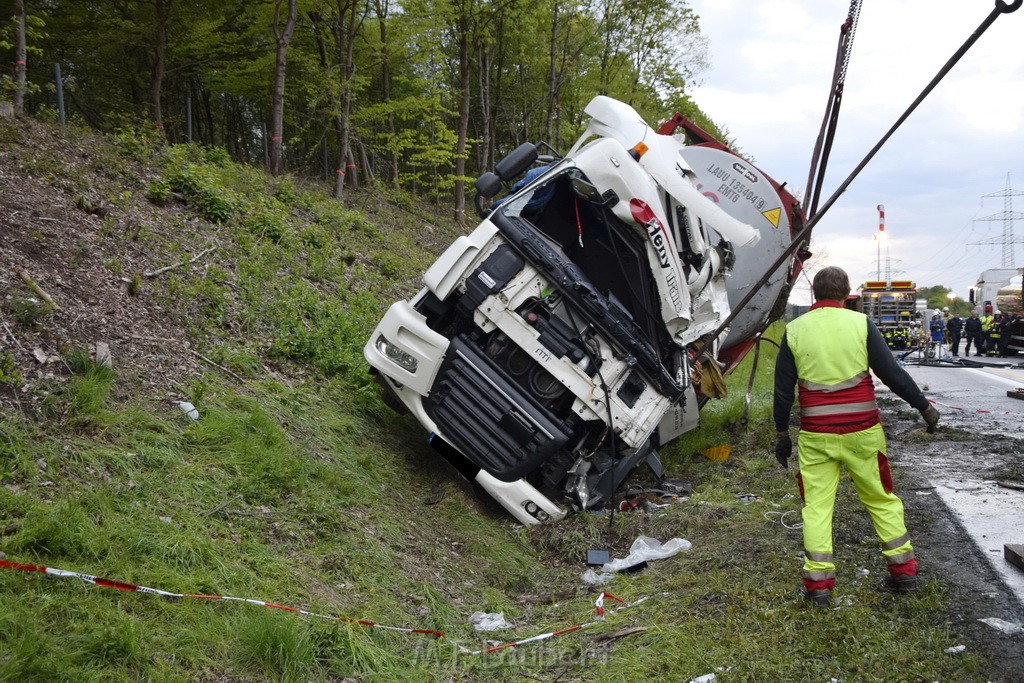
[(9, 373), (159, 191), (283, 648), (28, 311), (134, 142), (190, 175)]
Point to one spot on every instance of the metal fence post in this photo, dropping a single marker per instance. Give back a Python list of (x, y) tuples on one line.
[(60, 93)]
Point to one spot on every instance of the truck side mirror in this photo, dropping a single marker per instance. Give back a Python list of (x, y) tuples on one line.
[(971, 296), (517, 161), (488, 185)]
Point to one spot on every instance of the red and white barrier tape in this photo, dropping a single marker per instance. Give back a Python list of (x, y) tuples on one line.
[(599, 605), (120, 585)]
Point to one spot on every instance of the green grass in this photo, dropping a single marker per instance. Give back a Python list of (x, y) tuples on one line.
[(298, 487)]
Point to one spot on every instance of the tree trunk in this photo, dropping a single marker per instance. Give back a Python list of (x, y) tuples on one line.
[(463, 125), (487, 136), (552, 75), (282, 39), (383, 8), (346, 30), (163, 9), (21, 57)]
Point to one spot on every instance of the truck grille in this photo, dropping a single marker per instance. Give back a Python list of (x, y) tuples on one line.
[(490, 419)]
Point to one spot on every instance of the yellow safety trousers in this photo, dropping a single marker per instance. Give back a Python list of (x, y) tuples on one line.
[(822, 456)]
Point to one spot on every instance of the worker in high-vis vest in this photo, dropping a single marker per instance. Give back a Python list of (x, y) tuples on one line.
[(986, 329), (830, 352)]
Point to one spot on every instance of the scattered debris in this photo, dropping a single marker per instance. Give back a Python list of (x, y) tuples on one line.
[(195, 258), (645, 548), (955, 650), (189, 410), (27, 279), (1014, 554), (706, 678), (621, 633), (597, 558), (1007, 627), (592, 578), (216, 364), (747, 497), (717, 453), (437, 494), (1015, 485), (101, 354), (488, 621)]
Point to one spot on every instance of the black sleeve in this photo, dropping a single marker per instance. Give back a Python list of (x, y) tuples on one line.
[(885, 367), (785, 381)]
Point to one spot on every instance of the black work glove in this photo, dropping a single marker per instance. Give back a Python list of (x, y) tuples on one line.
[(931, 418), (783, 448)]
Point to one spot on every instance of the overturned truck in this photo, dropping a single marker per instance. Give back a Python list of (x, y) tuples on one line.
[(576, 330)]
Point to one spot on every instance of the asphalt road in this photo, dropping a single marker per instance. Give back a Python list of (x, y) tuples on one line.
[(974, 400)]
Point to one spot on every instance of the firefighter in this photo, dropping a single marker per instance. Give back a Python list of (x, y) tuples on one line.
[(828, 352), (1004, 335), (986, 329), (953, 326), (995, 337), (972, 330), (938, 332)]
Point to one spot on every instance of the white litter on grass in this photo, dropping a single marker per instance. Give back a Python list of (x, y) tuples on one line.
[(955, 650), (592, 578), (706, 678), (189, 410), (488, 621), (862, 572), (645, 549), (1007, 627)]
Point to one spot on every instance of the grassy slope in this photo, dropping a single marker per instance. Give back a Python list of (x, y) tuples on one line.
[(297, 487)]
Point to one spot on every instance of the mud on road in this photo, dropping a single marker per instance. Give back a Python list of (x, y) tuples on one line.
[(966, 456)]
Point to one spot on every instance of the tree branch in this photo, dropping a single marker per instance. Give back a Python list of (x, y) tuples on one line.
[(195, 258), (23, 274)]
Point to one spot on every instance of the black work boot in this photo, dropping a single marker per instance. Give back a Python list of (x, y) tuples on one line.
[(821, 597), (903, 583)]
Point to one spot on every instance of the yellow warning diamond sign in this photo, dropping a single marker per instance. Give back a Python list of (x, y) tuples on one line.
[(773, 216)]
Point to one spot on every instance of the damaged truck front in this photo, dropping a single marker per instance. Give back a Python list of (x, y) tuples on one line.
[(575, 331)]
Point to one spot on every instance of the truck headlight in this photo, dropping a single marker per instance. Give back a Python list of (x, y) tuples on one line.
[(396, 355)]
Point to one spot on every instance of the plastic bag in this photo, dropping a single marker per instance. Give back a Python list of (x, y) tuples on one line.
[(592, 578), (1007, 627), (645, 549), (488, 621)]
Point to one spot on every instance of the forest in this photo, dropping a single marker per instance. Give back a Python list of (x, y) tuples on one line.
[(416, 95)]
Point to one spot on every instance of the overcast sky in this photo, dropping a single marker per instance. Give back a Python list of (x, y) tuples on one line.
[(771, 70)]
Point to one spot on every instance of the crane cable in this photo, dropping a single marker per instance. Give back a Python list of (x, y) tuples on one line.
[(1001, 7), (830, 121)]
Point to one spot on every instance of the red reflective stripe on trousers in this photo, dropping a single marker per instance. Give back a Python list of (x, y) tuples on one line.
[(884, 472)]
